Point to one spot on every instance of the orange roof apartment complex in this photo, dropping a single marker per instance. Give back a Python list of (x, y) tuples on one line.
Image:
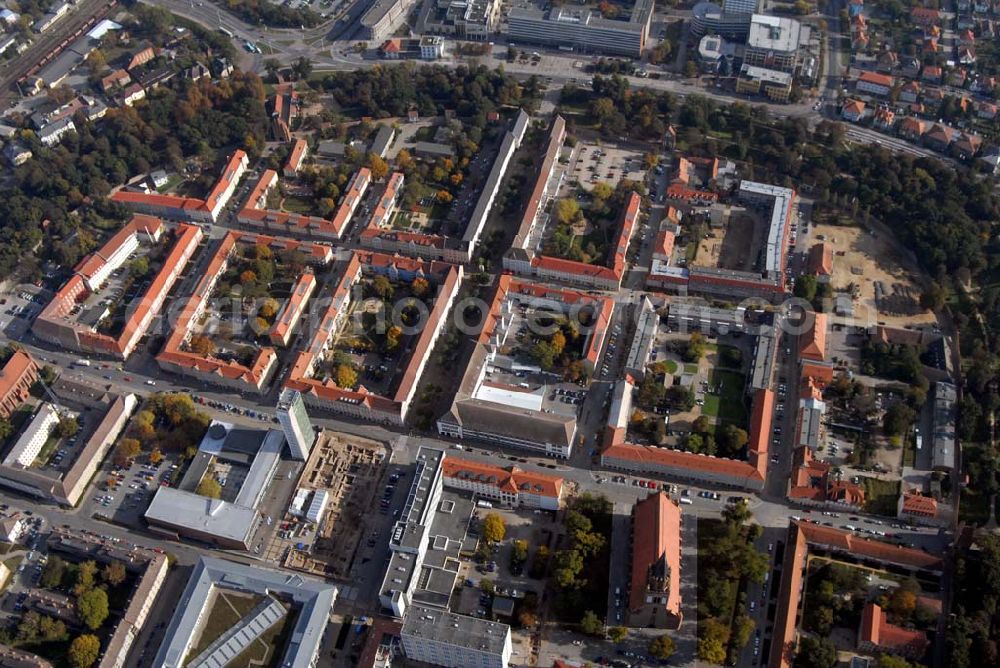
[(292, 310), (807, 539), (361, 402), (377, 235), (227, 373), (607, 277), (175, 207), (508, 486), (256, 214), (57, 323), (679, 464), (522, 257), (493, 407), (655, 583), (768, 282), (17, 376)]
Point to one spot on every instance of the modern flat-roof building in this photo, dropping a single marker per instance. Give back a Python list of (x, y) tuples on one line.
[(465, 19), (809, 423), (773, 43), (639, 350), (410, 538), (708, 18), (295, 423), (309, 600), (442, 638), (581, 29), (739, 6), (383, 17), (655, 585), (181, 511), (943, 437)]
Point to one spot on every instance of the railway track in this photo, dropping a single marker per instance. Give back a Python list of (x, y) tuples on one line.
[(49, 45)]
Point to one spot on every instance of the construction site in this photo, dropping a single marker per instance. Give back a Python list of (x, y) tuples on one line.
[(350, 469)]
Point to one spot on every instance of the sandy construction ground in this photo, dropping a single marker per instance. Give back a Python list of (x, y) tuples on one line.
[(867, 260)]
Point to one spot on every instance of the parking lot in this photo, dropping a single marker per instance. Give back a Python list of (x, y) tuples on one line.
[(19, 307), (122, 494), (26, 559), (591, 163)]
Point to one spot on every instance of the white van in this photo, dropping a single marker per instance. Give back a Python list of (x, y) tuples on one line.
[(685, 501)]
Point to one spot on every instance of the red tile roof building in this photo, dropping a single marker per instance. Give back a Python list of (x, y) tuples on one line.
[(805, 537), (256, 213), (874, 83), (606, 277), (114, 80), (17, 376), (914, 505), (176, 358), (141, 58), (58, 324), (812, 342), (511, 486), (654, 461), (189, 208), (291, 311), (655, 584), (811, 482), (360, 402), (877, 636), (820, 261), (300, 149)]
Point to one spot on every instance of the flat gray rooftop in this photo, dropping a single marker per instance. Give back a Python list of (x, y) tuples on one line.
[(459, 630), (315, 599)]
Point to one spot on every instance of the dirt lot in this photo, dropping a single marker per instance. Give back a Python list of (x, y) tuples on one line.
[(733, 246), (350, 468), (863, 259)]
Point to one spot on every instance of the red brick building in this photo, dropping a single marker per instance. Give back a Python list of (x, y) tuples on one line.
[(16, 379)]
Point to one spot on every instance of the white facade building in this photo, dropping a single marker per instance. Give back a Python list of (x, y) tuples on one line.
[(34, 436), (296, 424), (442, 638)]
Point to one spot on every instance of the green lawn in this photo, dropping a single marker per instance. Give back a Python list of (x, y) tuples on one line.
[(294, 204), (670, 366), (46, 452), (228, 610), (728, 405), (881, 496)]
